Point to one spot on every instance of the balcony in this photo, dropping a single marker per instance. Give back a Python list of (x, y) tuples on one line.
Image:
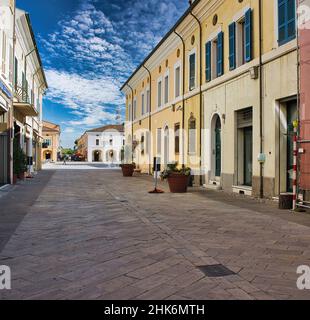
[(22, 102)]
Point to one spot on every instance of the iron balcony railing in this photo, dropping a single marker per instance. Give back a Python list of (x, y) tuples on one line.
[(21, 94)]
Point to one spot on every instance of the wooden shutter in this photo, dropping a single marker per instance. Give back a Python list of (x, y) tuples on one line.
[(248, 35), (232, 46), (208, 61), (220, 54)]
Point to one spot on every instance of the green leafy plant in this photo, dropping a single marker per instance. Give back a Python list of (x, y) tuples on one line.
[(173, 168), (19, 159)]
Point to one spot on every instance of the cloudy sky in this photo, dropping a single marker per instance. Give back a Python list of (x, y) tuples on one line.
[(89, 48)]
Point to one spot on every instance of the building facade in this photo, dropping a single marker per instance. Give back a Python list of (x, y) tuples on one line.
[(23, 84), (219, 94), (102, 144), (51, 142)]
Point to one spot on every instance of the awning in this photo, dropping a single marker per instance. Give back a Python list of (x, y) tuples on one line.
[(26, 109)]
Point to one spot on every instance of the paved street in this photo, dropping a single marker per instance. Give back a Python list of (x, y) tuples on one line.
[(92, 234)]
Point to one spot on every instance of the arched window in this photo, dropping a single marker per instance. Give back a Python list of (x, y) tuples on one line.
[(192, 135)]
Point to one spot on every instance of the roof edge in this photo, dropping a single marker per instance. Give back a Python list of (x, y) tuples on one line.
[(186, 13)]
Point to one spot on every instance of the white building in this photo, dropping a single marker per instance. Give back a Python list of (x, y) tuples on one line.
[(102, 144), (23, 84)]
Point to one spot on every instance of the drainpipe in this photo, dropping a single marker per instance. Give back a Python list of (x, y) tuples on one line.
[(25, 65), (150, 122), (131, 120), (200, 92), (183, 93), (261, 191)]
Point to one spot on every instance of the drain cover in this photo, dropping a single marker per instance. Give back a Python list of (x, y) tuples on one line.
[(216, 270)]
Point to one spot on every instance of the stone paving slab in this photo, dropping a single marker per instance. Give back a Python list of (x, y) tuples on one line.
[(86, 234)]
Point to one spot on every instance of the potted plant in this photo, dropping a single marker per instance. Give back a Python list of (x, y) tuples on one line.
[(128, 166), (177, 178), (19, 163), (23, 165)]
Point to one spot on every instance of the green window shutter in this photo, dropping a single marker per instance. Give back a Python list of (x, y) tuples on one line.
[(248, 35), (232, 46), (220, 54), (208, 61), (286, 20), (192, 71)]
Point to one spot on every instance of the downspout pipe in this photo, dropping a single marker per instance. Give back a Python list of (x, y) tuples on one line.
[(183, 96), (200, 93), (25, 65), (150, 122), (261, 191), (131, 120)]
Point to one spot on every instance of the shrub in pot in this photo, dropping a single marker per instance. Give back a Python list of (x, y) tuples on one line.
[(128, 167), (177, 178), (19, 163)]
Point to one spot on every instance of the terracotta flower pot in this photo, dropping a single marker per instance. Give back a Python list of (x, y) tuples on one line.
[(21, 176), (178, 182), (128, 170)]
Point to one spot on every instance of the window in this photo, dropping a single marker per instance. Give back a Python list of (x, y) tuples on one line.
[(159, 95), (192, 135), (134, 109), (240, 41), (286, 21), (177, 79), (166, 89), (142, 103), (4, 42), (214, 53), (177, 138), (192, 71), (158, 141), (148, 100), (111, 142), (97, 142), (46, 143)]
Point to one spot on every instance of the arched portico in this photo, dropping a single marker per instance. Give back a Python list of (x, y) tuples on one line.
[(97, 156), (48, 155)]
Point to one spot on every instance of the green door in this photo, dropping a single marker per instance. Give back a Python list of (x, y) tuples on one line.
[(218, 148), (248, 156), (291, 117)]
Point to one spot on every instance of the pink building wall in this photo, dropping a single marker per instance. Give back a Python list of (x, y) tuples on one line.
[(304, 108)]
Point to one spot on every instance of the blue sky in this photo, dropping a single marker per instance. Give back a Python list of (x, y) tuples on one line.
[(89, 48)]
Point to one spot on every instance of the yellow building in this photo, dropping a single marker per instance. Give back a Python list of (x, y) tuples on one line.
[(219, 94), (51, 139)]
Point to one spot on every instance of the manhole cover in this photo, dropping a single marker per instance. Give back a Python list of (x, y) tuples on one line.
[(216, 270)]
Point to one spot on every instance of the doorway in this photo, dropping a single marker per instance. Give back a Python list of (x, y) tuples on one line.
[(248, 156), (291, 116), (218, 147), (96, 156)]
